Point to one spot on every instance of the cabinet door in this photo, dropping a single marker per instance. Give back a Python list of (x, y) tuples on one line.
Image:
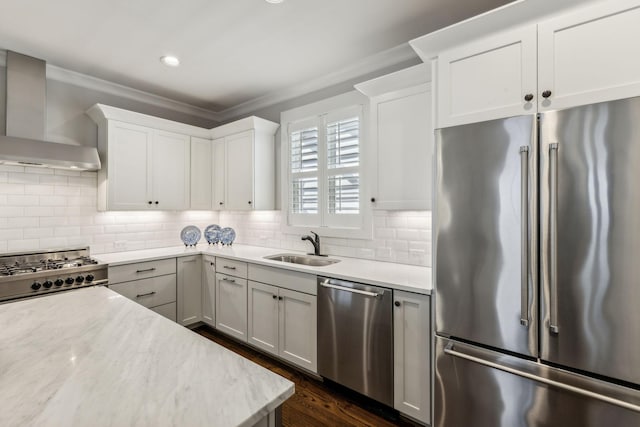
[(297, 326), (263, 316), (588, 56), (170, 171), (404, 135), (189, 290), (209, 290), (201, 173), (487, 79), (239, 168), (231, 306), (412, 337), (219, 178), (129, 175)]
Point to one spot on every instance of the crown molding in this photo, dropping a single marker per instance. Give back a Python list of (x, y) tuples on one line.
[(372, 63), (378, 61), (93, 83)]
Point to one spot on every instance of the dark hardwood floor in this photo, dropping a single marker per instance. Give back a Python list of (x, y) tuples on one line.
[(315, 403)]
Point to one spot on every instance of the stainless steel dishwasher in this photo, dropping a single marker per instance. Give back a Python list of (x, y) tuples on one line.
[(355, 337)]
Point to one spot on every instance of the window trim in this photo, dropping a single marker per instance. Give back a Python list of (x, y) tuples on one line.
[(330, 108)]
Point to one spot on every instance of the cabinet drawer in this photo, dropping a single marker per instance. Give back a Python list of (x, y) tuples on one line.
[(293, 280), (150, 292), (231, 267), (166, 310), (141, 270)]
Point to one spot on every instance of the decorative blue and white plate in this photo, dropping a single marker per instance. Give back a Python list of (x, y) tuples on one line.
[(190, 235), (213, 233), (228, 235)]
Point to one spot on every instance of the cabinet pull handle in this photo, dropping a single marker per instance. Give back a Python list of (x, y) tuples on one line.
[(228, 267), (211, 263), (146, 295), (150, 202), (146, 270), (229, 280), (546, 94), (553, 234), (156, 202), (221, 203), (249, 201), (524, 235), (275, 296), (397, 303), (373, 200), (280, 298), (528, 97)]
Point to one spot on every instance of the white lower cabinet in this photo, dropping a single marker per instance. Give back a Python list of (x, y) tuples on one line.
[(209, 290), (263, 316), (151, 284), (189, 288), (282, 319), (297, 338), (412, 372), (231, 305)]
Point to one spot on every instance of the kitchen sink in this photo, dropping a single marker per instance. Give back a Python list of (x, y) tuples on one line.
[(310, 260)]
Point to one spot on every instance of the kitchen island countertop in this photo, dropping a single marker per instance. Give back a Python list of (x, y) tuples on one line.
[(92, 357)]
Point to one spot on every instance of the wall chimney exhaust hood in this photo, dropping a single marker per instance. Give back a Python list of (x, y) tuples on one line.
[(24, 143)]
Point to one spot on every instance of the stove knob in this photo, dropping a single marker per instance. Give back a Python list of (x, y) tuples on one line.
[(69, 281), (89, 278), (36, 286), (79, 279), (47, 284), (58, 282)]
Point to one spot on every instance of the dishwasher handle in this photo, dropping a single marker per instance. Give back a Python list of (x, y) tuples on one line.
[(327, 284)]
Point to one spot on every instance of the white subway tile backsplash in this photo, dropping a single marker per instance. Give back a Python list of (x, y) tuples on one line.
[(42, 210), (22, 245)]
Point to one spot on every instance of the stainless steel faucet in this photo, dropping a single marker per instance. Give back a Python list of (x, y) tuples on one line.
[(315, 242)]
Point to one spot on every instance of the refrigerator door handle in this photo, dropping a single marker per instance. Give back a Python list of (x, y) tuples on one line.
[(449, 349), (524, 235), (553, 237)]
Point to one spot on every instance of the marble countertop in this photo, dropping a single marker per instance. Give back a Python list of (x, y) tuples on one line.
[(404, 277), (91, 357)]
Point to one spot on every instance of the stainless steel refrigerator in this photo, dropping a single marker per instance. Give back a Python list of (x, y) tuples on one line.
[(537, 270)]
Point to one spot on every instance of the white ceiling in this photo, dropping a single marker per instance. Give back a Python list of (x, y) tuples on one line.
[(232, 51)]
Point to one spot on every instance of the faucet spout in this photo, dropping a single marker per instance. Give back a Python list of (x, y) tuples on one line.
[(315, 242)]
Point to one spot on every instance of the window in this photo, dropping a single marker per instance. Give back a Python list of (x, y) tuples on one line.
[(324, 163)]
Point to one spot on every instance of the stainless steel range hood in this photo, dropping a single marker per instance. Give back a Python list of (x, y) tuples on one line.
[(24, 143)]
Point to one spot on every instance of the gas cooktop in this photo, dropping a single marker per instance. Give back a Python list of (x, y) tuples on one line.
[(28, 274)]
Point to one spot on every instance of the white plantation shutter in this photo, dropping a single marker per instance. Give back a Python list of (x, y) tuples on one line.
[(304, 204), (324, 170), (343, 168)]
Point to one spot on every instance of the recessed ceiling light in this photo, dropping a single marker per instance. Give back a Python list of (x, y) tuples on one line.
[(170, 61), (274, 1)]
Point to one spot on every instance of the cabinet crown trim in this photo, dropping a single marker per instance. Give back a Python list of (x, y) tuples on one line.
[(402, 79), (100, 113), (505, 17)]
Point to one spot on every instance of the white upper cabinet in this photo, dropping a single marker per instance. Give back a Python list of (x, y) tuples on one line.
[(244, 165), (129, 173), (218, 174), (239, 173), (146, 160), (489, 78), (401, 134), (590, 55), (170, 167), (201, 173), (581, 56), (153, 163)]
